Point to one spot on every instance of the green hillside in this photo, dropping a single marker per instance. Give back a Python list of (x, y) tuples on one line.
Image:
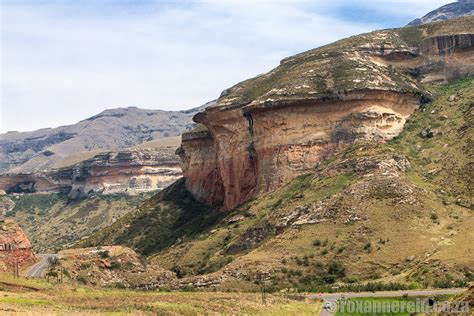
[(53, 221)]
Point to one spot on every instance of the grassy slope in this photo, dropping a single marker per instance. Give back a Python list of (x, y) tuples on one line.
[(52, 221), (167, 216), (427, 242), (444, 163)]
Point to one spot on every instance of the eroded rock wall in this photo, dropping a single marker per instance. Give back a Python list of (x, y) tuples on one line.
[(126, 172), (437, 59), (28, 183), (257, 148), (199, 164)]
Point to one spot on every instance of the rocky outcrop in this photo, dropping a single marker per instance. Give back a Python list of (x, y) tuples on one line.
[(29, 183), (382, 178), (256, 149), (127, 172), (447, 44), (123, 172), (265, 131), (106, 266), (438, 58), (6, 205), (15, 248)]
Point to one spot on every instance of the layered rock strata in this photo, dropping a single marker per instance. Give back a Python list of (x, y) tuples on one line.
[(252, 150), (127, 172)]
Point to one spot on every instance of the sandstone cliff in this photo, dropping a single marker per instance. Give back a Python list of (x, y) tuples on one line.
[(384, 148), (265, 131), (128, 171)]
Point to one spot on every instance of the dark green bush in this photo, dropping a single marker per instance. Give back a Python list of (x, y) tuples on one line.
[(104, 254), (337, 269), (368, 247), (115, 265)]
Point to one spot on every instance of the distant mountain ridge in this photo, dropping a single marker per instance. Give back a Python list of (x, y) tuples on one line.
[(112, 129), (449, 11)]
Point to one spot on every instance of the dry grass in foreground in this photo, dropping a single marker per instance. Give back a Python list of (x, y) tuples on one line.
[(35, 297)]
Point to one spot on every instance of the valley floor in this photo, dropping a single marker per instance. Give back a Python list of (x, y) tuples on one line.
[(39, 297), (35, 297)]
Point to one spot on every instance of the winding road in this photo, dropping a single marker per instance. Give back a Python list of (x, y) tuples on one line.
[(331, 299), (38, 270)]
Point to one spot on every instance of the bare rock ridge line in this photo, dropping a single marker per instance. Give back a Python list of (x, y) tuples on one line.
[(111, 130), (446, 12), (265, 131)]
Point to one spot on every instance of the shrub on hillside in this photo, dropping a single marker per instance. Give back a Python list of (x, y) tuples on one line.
[(337, 269), (81, 279), (115, 265), (104, 254)]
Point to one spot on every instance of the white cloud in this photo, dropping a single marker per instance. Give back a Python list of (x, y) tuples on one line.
[(62, 62)]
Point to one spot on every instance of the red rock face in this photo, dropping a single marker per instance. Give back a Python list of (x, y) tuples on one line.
[(15, 247), (200, 166), (255, 149)]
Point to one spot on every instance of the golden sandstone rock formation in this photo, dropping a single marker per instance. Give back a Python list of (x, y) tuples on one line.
[(265, 131)]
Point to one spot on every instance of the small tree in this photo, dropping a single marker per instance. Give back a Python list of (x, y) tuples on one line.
[(368, 247), (53, 261), (337, 269), (53, 274)]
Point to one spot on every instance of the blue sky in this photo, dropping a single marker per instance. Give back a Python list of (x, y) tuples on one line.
[(63, 61)]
